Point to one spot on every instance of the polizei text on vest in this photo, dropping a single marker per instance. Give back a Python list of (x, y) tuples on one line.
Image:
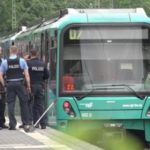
[(13, 66), (37, 68)]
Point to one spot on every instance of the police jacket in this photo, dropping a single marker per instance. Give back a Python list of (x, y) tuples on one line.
[(37, 71), (1, 61), (1, 87), (14, 70)]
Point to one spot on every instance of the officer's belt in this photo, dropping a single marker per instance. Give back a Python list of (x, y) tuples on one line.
[(16, 81)]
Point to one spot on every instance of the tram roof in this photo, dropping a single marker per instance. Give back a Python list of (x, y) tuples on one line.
[(70, 15), (72, 11), (99, 11), (101, 16)]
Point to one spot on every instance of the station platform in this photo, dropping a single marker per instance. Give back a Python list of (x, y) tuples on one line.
[(47, 139)]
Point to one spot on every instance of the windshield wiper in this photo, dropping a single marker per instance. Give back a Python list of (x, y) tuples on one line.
[(86, 94), (135, 93), (106, 88)]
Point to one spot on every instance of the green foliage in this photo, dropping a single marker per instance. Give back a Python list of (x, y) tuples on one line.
[(28, 11), (5, 14)]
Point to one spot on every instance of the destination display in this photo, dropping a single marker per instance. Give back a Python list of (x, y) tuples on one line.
[(108, 33)]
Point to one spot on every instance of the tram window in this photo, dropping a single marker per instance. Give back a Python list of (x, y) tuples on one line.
[(53, 63), (54, 43), (13, 43), (31, 46), (27, 48)]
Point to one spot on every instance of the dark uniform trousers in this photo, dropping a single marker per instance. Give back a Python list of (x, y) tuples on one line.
[(2, 106), (36, 106), (17, 88)]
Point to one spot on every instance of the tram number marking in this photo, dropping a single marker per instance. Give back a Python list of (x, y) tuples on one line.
[(70, 86), (87, 115), (75, 34)]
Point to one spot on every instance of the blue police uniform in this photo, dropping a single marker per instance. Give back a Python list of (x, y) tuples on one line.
[(38, 72), (14, 67), (2, 103)]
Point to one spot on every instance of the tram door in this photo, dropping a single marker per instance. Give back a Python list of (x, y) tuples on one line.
[(52, 51), (42, 49), (46, 49)]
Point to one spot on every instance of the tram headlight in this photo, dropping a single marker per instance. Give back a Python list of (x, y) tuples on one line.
[(148, 112), (66, 104), (67, 110), (72, 114)]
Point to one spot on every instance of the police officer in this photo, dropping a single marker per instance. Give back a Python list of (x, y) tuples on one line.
[(38, 72), (16, 70), (26, 56), (2, 100)]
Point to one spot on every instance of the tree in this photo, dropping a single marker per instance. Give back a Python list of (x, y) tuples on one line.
[(28, 11), (5, 22)]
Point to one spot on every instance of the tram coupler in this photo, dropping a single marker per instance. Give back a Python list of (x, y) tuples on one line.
[(113, 132)]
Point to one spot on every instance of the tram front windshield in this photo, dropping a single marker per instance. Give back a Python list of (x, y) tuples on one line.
[(105, 56)]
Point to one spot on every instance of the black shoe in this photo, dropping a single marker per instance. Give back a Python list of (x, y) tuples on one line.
[(26, 128), (1, 128), (21, 126), (12, 128), (4, 126), (37, 126), (43, 127)]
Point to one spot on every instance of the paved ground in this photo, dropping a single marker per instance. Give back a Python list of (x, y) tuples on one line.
[(48, 139)]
